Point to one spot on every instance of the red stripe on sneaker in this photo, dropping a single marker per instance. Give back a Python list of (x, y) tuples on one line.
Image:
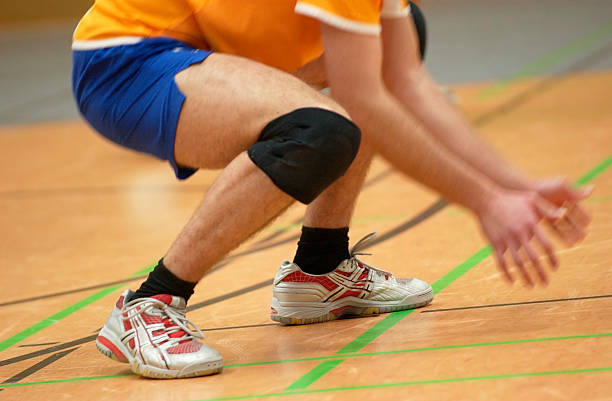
[(364, 275), (112, 348), (338, 311), (119, 303), (187, 347), (150, 319), (345, 274), (165, 298), (300, 277)]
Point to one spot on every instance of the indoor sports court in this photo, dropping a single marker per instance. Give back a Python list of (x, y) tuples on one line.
[(81, 220)]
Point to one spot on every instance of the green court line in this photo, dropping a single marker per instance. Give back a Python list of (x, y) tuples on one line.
[(373, 333), (389, 321), (76, 379), (540, 66), (35, 328), (580, 45), (600, 168), (418, 383), (357, 344), (314, 374), (425, 349), (147, 269), (100, 294), (455, 211), (395, 317), (460, 270), (335, 357), (598, 199)]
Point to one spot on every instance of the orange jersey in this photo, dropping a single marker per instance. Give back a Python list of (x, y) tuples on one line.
[(280, 33)]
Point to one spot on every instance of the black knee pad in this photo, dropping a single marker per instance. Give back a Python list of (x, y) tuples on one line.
[(421, 27), (304, 151)]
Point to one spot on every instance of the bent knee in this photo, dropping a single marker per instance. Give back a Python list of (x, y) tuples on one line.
[(305, 151)]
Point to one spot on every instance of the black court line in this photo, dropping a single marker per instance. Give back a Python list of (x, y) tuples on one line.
[(38, 366), (37, 345), (378, 177), (264, 247), (544, 85), (230, 295), (57, 294), (419, 218), (278, 233), (402, 227), (510, 105), (430, 211), (49, 350), (140, 189), (223, 263), (249, 326), (482, 120), (544, 301)]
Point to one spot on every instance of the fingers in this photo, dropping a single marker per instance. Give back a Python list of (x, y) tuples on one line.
[(535, 261), (570, 220), (578, 216), (549, 210), (514, 252), (547, 247), (582, 193), (501, 262), (525, 258), (571, 228)]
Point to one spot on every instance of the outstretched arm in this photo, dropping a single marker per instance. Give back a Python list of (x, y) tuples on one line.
[(409, 82), (508, 218)]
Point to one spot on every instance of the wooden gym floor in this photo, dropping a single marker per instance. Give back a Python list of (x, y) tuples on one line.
[(82, 219)]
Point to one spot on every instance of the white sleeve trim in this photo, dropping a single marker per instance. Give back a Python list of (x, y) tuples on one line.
[(102, 43), (394, 9), (336, 20)]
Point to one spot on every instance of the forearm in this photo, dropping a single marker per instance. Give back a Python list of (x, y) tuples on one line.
[(418, 93), (405, 144)]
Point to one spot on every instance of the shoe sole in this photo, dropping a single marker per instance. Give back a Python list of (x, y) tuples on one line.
[(114, 351), (296, 313)]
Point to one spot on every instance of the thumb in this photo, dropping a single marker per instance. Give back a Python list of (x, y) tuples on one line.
[(548, 209), (582, 193)]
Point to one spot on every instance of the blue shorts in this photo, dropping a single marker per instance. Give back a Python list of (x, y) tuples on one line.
[(128, 94)]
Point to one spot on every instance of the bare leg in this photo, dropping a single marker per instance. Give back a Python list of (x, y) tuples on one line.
[(229, 101), (240, 202), (334, 207)]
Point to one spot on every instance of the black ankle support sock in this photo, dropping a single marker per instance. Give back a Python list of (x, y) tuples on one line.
[(163, 281), (320, 250)]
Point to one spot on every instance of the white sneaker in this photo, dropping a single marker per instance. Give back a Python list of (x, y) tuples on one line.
[(156, 339), (353, 289)]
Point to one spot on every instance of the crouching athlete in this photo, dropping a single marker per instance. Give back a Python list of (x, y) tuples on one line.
[(208, 84)]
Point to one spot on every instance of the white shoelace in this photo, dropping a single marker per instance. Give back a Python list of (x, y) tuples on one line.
[(354, 251), (156, 307)]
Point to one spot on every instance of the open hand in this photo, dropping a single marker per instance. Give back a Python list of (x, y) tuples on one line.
[(571, 227), (510, 221)]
